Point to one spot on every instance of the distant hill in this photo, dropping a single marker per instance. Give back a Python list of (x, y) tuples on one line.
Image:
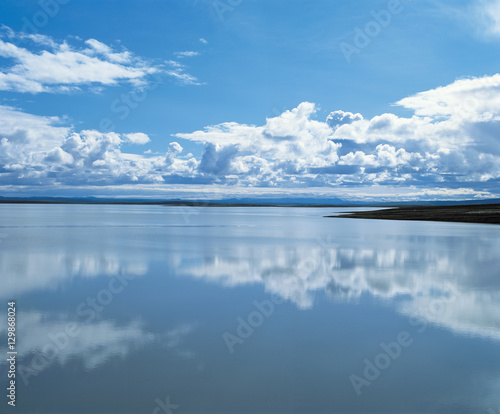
[(304, 202)]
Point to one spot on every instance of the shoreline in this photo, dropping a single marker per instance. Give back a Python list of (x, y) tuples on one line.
[(471, 213)]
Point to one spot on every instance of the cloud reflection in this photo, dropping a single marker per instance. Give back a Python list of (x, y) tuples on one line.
[(24, 272), (411, 273), (453, 287), (43, 341)]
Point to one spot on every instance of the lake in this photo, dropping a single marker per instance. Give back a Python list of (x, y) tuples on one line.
[(152, 309)]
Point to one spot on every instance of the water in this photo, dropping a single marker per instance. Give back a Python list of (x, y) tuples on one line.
[(150, 309)]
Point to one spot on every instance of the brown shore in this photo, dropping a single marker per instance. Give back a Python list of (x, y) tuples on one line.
[(473, 213)]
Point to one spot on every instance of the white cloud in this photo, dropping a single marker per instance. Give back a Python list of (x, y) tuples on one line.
[(188, 53), (64, 69), (338, 118), (50, 66), (59, 156), (178, 71), (138, 138), (204, 41), (35, 150), (442, 145), (490, 10), (104, 50), (270, 155), (26, 140), (473, 99), (183, 77)]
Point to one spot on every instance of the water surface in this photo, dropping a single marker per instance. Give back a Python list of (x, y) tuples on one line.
[(151, 309)]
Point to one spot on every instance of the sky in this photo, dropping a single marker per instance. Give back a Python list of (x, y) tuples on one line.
[(192, 99)]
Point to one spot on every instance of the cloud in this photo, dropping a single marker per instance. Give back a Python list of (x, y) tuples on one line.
[(36, 150), (450, 143), (178, 71), (274, 154), (338, 118), (36, 38), (138, 138), (45, 65), (473, 100), (445, 142), (490, 11), (183, 77), (107, 52), (204, 41), (186, 54)]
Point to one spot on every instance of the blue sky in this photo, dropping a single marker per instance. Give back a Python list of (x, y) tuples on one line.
[(368, 99)]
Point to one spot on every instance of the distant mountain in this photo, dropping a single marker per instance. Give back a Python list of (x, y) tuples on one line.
[(327, 202)]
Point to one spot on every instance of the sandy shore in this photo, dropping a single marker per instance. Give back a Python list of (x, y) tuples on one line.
[(474, 213)]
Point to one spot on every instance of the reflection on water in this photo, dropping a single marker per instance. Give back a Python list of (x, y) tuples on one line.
[(134, 300), (417, 277)]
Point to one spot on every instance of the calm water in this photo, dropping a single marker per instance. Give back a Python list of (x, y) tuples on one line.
[(150, 309)]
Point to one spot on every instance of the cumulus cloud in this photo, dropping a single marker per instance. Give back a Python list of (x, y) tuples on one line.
[(46, 65), (281, 152), (473, 99), (138, 138), (37, 150), (338, 118), (450, 143), (451, 140)]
